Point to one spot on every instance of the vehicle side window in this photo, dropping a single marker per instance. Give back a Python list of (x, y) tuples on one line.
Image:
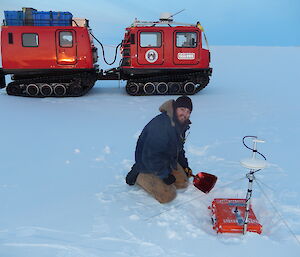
[(150, 39), (186, 39), (10, 38), (30, 40), (65, 39)]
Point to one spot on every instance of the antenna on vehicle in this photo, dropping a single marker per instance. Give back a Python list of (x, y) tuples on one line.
[(177, 13), (168, 17)]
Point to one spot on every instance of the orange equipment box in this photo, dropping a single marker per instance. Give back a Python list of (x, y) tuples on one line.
[(228, 216)]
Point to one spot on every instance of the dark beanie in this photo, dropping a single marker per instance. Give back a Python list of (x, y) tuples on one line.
[(184, 101)]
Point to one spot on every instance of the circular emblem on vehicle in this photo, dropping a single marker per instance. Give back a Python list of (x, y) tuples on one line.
[(151, 55)]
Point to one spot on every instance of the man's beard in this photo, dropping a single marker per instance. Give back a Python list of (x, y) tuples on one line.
[(181, 119)]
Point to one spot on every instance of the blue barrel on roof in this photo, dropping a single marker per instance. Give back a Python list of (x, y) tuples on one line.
[(14, 18), (62, 19), (52, 18), (32, 17), (41, 18)]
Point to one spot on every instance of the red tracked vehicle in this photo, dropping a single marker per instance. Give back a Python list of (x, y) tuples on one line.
[(50, 56), (163, 58)]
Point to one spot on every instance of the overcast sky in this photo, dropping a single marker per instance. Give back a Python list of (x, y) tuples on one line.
[(226, 22)]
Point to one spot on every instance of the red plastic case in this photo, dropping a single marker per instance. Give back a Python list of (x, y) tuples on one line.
[(228, 216)]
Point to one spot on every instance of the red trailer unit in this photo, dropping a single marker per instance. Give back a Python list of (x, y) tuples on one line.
[(45, 49), (48, 60)]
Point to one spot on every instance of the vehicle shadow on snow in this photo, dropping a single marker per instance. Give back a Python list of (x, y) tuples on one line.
[(98, 90), (107, 90)]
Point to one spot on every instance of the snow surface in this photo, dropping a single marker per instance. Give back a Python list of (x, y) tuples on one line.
[(63, 163)]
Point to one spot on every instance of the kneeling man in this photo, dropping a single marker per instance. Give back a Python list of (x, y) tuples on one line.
[(160, 163)]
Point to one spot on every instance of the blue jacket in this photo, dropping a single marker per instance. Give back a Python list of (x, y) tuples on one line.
[(160, 145)]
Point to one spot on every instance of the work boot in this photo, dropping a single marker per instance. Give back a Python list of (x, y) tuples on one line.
[(132, 176)]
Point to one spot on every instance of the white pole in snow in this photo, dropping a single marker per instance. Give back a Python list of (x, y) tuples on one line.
[(251, 177), (254, 165)]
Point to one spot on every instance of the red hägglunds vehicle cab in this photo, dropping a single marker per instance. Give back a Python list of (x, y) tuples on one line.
[(163, 58), (47, 54)]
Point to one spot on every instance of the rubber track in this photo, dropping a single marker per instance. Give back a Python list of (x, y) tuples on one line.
[(84, 80), (181, 78)]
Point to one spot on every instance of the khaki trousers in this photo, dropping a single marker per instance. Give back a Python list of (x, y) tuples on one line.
[(158, 189)]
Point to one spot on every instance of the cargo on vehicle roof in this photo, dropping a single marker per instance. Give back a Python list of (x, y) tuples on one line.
[(32, 17)]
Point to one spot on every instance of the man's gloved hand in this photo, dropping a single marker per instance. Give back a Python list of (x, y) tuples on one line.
[(188, 172), (169, 180)]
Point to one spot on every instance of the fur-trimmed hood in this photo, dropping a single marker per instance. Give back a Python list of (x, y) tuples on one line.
[(169, 109)]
